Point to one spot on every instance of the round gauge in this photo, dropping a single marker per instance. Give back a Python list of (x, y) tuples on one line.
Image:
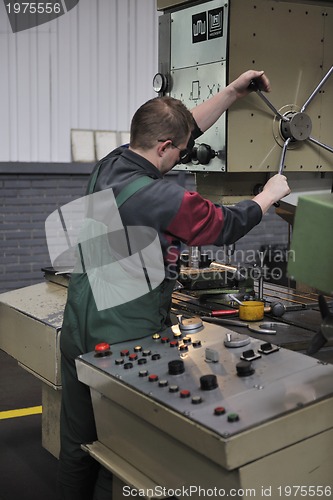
[(160, 83)]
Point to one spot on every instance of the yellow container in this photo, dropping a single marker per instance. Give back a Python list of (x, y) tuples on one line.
[(251, 310)]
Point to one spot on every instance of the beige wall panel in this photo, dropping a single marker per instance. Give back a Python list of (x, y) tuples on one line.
[(292, 42)]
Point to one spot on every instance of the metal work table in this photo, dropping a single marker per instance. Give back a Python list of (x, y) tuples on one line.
[(30, 323)]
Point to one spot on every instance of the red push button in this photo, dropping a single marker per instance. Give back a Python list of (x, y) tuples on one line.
[(153, 377), (185, 393), (102, 349), (124, 352), (219, 410)]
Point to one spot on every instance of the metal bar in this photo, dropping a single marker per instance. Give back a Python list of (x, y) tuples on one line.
[(283, 155), (289, 291), (321, 144), (286, 299), (194, 257), (316, 90), (312, 297), (261, 278), (270, 105), (282, 296)]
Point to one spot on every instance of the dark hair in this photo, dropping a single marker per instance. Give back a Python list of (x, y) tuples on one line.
[(160, 118)]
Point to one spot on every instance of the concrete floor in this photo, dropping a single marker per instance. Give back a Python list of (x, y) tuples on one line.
[(27, 470)]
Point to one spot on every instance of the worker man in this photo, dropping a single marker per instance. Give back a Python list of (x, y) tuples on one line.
[(161, 130)]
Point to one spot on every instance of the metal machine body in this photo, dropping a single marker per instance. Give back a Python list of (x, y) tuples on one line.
[(204, 407), (246, 432), (269, 427), (292, 42)]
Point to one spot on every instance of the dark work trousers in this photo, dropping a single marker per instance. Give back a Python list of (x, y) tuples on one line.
[(80, 477)]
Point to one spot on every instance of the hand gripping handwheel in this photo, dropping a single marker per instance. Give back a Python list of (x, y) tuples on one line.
[(294, 126)]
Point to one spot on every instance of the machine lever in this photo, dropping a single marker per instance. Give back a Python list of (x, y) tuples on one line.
[(283, 155), (255, 85), (316, 90), (321, 144)]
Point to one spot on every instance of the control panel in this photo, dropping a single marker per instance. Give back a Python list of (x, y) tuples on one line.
[(225, 381)]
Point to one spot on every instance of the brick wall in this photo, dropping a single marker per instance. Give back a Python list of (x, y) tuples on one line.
[(27, 198), (29, 193)]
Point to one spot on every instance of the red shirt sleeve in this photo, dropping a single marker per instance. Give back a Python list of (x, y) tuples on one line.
[(197, 222)]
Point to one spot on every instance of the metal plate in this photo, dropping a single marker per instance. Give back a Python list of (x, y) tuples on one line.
[(198, 70), (193, 86), (282, 38), (283, 381)]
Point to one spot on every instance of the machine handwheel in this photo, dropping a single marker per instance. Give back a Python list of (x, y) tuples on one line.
[(295, 126)]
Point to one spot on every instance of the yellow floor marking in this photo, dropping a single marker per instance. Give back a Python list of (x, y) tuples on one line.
[(23, 412)]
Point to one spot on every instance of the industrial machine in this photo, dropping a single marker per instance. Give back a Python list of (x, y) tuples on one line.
[(220, 40), (286, 131), (216, 406)]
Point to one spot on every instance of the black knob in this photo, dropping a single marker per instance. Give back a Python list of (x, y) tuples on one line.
[(266, 347), (278, 309), (257, 189), (256, 84), (176, 367), (204, 154), (244, 368), (248, 354), (208, 382)]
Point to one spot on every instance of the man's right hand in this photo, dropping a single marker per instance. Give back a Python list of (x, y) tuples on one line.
[(274, 190)]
